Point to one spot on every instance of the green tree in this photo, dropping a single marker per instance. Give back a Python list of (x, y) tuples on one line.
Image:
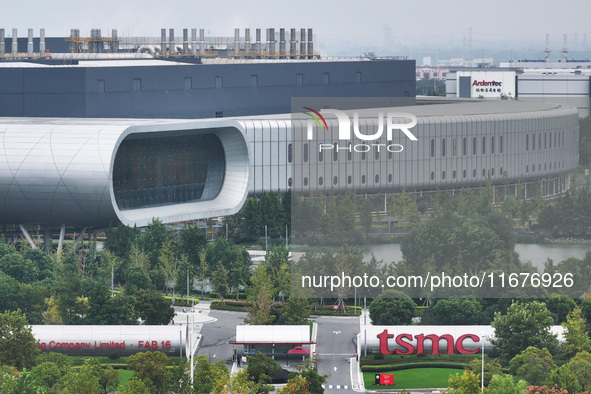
[(580, 367), (150, 368), (560, 307), (576, 338), (454, 311), (259, 294), (205, 374), (505, 384), (296, 311), (21, 269), (24, 383), (10, 297), (491, 368), (152, 308), (260, 368), (238, 383), (314, 379), (392, 308), (120, 239), (136, 279), (18, 347), (136, 386), (533, 365), (522, 326), (468, 382), (296, 385), (219, 281), (79, 382), (47, 374), (563, 378)]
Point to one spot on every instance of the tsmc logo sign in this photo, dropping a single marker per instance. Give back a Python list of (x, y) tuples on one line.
[(412, 344), (388, 123), (487, 83)]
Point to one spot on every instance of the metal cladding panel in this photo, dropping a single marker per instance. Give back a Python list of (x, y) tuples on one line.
[(107, 340), (68, 186)]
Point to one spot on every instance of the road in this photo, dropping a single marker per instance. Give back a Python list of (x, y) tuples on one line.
[(334, 348)]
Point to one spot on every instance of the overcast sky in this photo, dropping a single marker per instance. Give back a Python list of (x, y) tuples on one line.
[(348, 27)]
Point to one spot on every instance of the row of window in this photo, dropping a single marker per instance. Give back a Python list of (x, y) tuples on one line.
[(335, 180), (219, 81), (454, 146), (335, 153), (485, 173), (556, 136)]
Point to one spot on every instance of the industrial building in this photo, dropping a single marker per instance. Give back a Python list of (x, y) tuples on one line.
[(183, 136)]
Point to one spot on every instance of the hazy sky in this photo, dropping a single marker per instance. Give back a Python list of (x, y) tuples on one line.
[(341, 27)]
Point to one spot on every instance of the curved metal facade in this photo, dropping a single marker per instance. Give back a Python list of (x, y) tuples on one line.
[(60, 171), (107, 340)]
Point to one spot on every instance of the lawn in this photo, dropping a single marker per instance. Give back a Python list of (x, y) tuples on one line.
[(417, 378), (125, 377)]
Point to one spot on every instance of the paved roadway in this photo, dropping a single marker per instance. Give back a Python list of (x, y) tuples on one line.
[(334, 348)]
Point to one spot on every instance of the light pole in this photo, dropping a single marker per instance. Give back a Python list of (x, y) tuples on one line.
[(482, 371)]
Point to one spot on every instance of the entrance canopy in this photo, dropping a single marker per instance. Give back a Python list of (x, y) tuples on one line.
[(273, 335)]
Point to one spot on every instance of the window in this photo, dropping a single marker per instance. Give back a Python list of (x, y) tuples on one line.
[(376, 155), (299, 79), (254, 81), (320, 156), (492, 172), (432, 147), (305, 181), (432, 175), (545, 141), (453, 174), (349, 154), (363, 179), (464, 173), (526, 142), (219, 82), (289, 182), (443, 147), (390, 178), (443, 175), (335, 180), (473, 146), (335, 153), (349, 179), (483, 145), (483, 172), (101, 86), (540, 141), (219, 114), (377, 179), (289, 153), (527, 168), (533, 141), (320, 181), (362, 155), (474, 173), (137, 84), (464, 146), (188, 83), (453, 147), (492, 145), (306, 152), (501, 144)]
